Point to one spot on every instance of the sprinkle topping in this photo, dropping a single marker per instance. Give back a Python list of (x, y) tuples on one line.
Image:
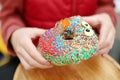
[(70, 41)]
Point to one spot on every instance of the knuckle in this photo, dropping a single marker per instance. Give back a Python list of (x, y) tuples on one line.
[(18, 51), (27, 67), (31, 63), (108, 43), (35, 28), (110, 46), (101, 52), (32, 54), (106, 15), (114, 31), (43, 63), (22, 41)]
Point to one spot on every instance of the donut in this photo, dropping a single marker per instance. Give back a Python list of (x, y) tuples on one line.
[(69, 42)]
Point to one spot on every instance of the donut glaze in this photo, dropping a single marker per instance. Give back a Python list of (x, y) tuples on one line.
[(70, 41)]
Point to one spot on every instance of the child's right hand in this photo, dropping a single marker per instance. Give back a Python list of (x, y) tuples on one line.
[(29, 56)]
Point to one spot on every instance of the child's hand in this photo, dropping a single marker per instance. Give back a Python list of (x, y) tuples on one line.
[(21, 41), (106, 29)]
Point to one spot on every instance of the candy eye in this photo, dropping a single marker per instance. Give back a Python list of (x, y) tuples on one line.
[(85, 24), (88, 32)]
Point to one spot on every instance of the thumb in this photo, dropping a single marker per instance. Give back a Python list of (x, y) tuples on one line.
[(92, 20), (37, 32)]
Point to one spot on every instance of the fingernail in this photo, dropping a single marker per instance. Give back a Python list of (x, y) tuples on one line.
[(47, 63), (103, 55), (51, 66), (99, 46), (84, 17), (97, 53)]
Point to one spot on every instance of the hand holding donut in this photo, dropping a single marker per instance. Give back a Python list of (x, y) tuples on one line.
[(26, 51), (102, 22)]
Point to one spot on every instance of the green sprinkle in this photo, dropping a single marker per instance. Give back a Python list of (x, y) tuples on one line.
[(92, 51), (46, 56), (74, 51), (54, 61), (79, 31), (51, 57), (80, 56), (86, 56), (64, 62), (82, 42), (74, 58), (58, 59), (62, 58), (67, 57)]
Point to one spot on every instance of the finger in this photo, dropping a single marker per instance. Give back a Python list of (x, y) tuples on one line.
[(106, 49), (31, 49), (111, 37), (103, 51), (37, 32), (24, 63), (109, 41), (104, 32), (92, 20), (31, 61), (104, 55)]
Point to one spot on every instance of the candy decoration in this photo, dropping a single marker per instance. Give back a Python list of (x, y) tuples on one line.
[(69, 42)]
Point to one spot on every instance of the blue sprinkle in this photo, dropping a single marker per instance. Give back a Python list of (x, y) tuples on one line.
[(69, 28), (77, 18), (58, 37), (68, 34), (75, 23), (79, 31)]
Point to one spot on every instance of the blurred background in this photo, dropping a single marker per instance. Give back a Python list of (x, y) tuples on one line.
[(117, 3), (115, 52), (10, 67), (4, 56)]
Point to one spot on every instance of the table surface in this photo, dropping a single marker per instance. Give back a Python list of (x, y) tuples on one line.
[(96, 68)]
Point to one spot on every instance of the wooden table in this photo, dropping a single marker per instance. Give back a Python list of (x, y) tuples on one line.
[(96, 68)]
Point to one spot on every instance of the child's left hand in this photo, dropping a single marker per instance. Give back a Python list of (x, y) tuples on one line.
[(103, 23)]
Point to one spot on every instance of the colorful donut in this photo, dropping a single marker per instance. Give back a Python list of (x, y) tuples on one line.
[(70, 41)]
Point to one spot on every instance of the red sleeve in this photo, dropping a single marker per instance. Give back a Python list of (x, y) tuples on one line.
[(107, 6), (11, 19)]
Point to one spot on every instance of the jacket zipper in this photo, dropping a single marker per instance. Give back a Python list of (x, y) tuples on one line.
[(74, 7)]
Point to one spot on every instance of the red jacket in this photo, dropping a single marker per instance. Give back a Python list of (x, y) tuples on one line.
[(44, 13)]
